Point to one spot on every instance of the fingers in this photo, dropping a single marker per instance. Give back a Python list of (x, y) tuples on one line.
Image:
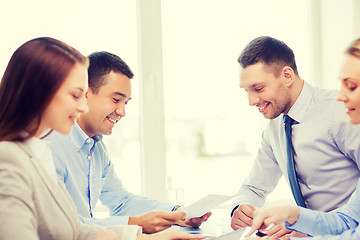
[(243, 216), (274, 215), (289, 235), (166, 219), (237, 223), (278, 231), (275, 229), (258, 222), (297, 234), (206, 216), (196, 222), (156, 221), (248, 210), (193, 222), (172, 216), (286, 237)]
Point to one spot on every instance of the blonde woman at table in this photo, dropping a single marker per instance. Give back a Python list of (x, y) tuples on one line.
[(43, 89), (342, 223)]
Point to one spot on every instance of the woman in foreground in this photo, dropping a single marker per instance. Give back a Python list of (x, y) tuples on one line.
[(43, 89), (343, 222)]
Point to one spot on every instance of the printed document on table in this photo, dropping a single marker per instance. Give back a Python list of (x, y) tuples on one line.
[(204, 205)]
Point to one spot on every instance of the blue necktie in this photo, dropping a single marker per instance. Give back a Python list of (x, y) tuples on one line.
[(294, 184)]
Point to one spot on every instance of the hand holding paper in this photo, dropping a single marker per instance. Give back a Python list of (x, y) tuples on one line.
[(204, 205)]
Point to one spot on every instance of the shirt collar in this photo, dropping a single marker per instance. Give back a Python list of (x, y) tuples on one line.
[(38, 147), (79, 137), (302, 103)]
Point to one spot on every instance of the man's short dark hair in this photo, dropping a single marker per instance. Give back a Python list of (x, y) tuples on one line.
[(101, 64), (270, 51)]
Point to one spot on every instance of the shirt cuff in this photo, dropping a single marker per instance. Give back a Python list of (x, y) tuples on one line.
[(234, 209), (305, 222), (175, 208)]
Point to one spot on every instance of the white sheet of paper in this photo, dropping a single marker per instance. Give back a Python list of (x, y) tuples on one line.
[(204, 205), (235, 235)]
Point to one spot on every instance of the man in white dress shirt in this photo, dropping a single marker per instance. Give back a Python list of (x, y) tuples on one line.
[(325, 144)]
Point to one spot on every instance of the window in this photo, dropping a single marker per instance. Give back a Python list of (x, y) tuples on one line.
[(89, 26), (212, 135)]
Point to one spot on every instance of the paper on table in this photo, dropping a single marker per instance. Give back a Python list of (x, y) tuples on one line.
[(204, 205), (235, 235)]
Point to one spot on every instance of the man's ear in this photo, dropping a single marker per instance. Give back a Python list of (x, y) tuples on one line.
[(288, 75)]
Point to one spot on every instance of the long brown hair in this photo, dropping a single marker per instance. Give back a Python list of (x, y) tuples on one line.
[(34, 73)]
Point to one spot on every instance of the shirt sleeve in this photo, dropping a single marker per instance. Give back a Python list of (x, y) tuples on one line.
[(320, 223), (263, 177), (349, 234), (122, 203), (342, 223)]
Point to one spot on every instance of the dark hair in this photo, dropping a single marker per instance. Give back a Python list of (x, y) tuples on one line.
[(101, 64), (33, 75), (270, 51)]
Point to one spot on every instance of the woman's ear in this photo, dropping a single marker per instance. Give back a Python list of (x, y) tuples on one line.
[(87, 93)]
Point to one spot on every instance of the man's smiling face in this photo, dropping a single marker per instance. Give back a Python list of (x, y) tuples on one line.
[(107, 106), (265, 91)]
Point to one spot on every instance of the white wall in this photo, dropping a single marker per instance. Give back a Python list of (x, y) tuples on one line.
[(333, 25)]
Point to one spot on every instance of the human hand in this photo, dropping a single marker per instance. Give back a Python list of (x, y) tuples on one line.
[(106, 235), (194, 222), (277, 215), (278, 231), (292, 234), (156, 221), (242, 216), (169, 234)]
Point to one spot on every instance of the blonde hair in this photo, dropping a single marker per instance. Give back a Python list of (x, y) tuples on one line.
[(354, 48)]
